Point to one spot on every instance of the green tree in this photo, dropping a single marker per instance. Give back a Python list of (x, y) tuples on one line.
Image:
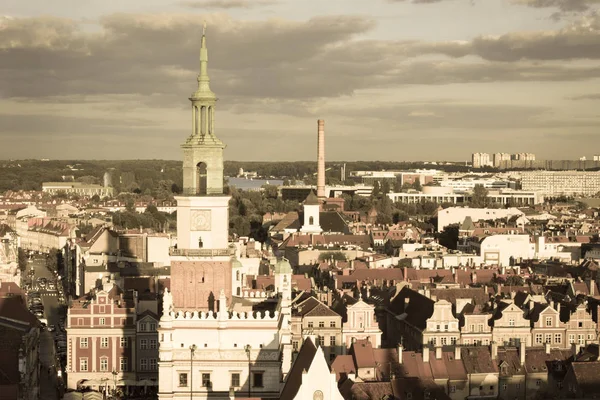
[(480, 197), (332, 255), (417, 185), (22, 259)]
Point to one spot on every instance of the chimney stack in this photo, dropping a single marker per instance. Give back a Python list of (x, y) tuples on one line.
[(457, 354), (321, 159), (426, 354), (438, 352), (522, 352), (400, 351)]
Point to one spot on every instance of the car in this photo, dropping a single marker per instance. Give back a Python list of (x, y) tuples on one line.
[(50, 328)]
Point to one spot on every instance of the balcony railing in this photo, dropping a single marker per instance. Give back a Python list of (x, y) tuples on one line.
[(201, 252)]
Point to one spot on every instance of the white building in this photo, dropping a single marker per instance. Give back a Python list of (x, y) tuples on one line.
[(481, 160), (499, 157), (562, 183), (456, 215), (215, 338)]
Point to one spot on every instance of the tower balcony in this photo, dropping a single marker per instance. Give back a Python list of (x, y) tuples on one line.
[(230, 251)]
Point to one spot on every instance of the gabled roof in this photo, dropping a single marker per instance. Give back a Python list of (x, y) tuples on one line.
[(303, 361)]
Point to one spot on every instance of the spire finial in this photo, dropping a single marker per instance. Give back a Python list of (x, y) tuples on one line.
[(204, 29)]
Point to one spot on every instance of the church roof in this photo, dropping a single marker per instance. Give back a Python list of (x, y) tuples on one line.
[(303, 362), (311, 199)]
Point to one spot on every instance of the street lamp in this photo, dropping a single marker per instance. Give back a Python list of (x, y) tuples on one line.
[(114, 374), (247, 349), (192, 351)]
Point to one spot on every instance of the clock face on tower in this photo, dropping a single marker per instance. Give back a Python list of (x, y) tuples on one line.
[(200, 220)]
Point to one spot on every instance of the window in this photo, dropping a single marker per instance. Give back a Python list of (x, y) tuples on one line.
[(102, 321), (182, 380), (143, 344), (153, 343), (332, 324), (142, 327), (581, 339), (310, 324), (538, 382), (257, 380), (538, 338), (580, 324), (143, 364), (473, 328), (453, 389), (480, 326), (446, 327), (124, 342), (590, 337), (453, 340), (504, 386), (103, 363), (444, 341), (152, 327), (438, 327), (153, 364), (571, 339), (548, 321), (332, 340), (206, 380), (83, 364), (235, 380), (295, 345), (511, 322), (321, 340), (123, 363), (491, 388), (104, 342), (83, 342), (548, 338), (557, 338), (321, 324)]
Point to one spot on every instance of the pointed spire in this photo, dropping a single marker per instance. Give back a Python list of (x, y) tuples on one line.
[(203, 79)]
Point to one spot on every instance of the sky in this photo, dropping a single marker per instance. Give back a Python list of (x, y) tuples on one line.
[(397, 80)]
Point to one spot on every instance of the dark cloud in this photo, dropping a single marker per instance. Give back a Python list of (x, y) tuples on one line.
[(562, 5), (154, 56), (579, 40), (591, 96), (226, 4)]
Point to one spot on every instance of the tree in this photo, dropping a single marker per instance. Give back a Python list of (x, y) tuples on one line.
[(480, 197), (22, 259), (376, 190), (335, 255), (514, 280), (95, 198), (449, 237), (385, 187), (417, 185)]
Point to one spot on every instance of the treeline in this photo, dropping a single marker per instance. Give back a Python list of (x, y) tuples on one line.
[(160, 176)]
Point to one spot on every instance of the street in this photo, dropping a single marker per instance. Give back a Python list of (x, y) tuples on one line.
[(50, 384)]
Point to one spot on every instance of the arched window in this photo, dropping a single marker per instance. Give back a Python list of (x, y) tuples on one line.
[(239, 291), (237, 275), (311, 220), (201, 178)]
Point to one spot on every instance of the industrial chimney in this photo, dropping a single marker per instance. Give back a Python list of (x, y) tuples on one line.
[(321, 160)]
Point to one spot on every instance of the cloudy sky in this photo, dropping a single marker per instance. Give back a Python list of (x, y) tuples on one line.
[(393, 79)]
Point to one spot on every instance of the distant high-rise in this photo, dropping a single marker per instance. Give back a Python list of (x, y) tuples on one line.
[(481, 160), (499, 157)]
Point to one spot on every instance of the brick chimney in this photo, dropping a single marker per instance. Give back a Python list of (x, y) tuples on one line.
[(321, 159)]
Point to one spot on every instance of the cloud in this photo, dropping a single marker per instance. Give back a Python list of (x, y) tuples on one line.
[(591, 96), (562, 5), (227, 4), (155, 57), (578, 40)]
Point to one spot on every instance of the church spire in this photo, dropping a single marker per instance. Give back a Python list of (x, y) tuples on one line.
[(203, 91)]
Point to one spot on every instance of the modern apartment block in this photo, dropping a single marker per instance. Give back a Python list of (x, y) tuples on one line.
[(562, 183)]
